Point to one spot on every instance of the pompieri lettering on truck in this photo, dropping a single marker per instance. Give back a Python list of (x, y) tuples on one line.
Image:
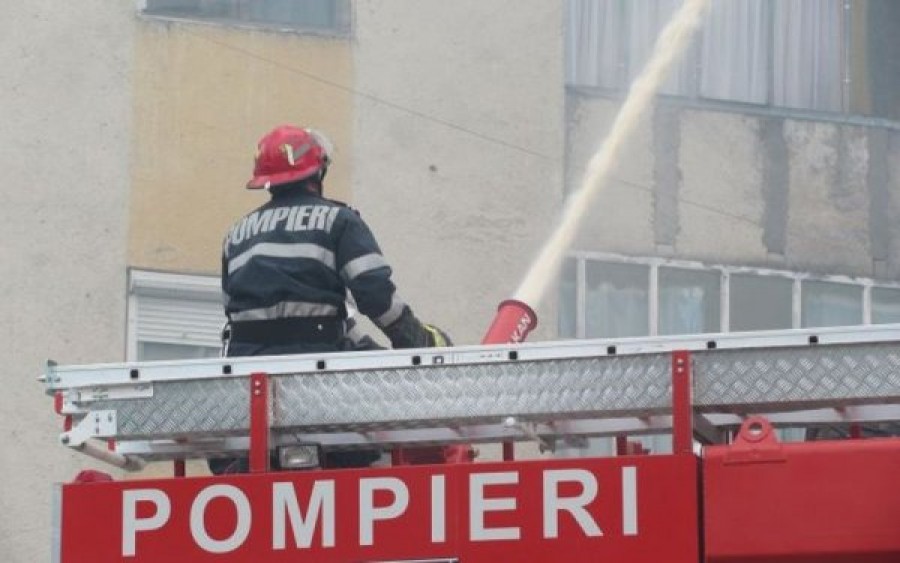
[(302, 520)]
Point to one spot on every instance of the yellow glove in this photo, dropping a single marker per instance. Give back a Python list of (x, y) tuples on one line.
[(437, 338)]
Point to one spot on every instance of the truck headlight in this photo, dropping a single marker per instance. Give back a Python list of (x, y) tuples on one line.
[(298, 457)]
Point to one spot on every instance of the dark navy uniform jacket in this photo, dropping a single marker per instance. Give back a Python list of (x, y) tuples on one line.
[(295, 258)]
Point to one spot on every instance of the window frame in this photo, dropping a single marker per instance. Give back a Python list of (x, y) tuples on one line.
[(653, 265), (191, 288), (341, 28), (853, 101)]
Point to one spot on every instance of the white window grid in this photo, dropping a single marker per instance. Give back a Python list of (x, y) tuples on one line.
[(182, 289), (725, 272), (689, 86), (340, 27)]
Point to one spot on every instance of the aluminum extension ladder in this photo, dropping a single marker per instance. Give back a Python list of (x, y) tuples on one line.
[(175, 410)]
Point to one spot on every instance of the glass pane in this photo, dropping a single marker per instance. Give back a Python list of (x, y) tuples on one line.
[(808, 57), (874, 60), (655, 443), (310, 13), (885, 305), (831, 304), (688, 301), (646, 20), (153, 351), (617, 300), (735, 52), (568, 299), (320, 14), (760, 302), (192, 8), (593, 37)]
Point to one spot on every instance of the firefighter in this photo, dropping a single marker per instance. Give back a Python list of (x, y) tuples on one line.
[(288, 266)]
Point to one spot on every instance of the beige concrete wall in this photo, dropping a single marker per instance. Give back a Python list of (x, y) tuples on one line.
[(828, 225), (64, 150), (744, 189), (720, 204), (458, 148), (204, 95), (621, 216)]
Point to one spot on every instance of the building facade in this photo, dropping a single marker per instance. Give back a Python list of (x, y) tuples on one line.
[(762, 190), (131, 131), (65, 146)]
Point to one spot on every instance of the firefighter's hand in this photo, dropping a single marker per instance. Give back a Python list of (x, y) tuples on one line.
[(436, 338)]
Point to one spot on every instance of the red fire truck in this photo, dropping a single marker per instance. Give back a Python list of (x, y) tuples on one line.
[(729, 490)]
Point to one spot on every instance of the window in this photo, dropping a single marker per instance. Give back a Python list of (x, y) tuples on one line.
[(317, 15), (688, 301), (620, 290), (831, 304), (808, 50), (646, 19), (609, 41), (821, 55), (611, 296), (760, 302), (874, 78), (568, 300), (735, 52), (607, 296), (173, 316), (885, 305)]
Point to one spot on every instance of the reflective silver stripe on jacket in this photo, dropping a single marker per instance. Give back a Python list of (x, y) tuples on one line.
[(283, 250), (392, 314), (354, 333), (362, 265), (285, 310)]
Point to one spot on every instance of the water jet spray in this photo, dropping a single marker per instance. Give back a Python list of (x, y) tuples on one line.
[(516, 318)]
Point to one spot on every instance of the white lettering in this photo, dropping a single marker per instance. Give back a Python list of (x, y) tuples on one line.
[(285, 506), (289, 226), (478, 505), (241, 527), (521, 329), (438, 509), (332, 215), (242, 232), (131, 524), (629, 501), (265, 220), (317, 217), (309, 521), (300, 223), (229, 238), (553, 504), (237, 233), (278, 216), (368, 513), (257, 221)]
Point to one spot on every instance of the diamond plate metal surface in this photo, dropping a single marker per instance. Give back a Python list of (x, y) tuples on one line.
[(213, 406), (544, 391), (801, 377), (457, 394)]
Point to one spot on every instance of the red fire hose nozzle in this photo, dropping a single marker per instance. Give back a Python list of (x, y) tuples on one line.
[(512, 324)]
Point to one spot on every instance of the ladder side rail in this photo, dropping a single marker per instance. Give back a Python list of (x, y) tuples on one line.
[(65, 377)]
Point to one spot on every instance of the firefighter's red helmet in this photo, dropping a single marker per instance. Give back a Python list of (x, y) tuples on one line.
[(288, 154)]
